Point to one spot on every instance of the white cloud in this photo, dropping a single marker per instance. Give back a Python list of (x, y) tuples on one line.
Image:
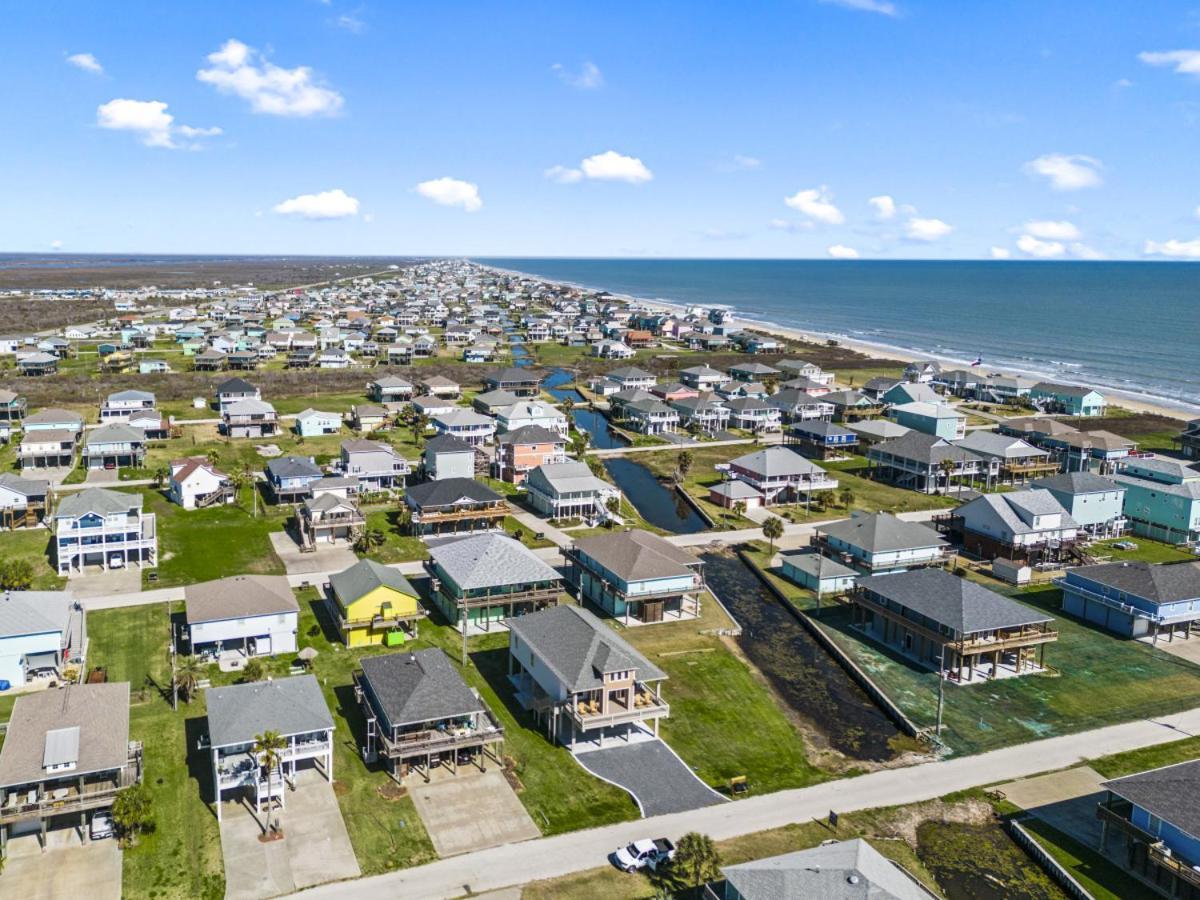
[(788, 225), (885, 206), (746, 162), (87, 62), (56, 245), (1196, 212), (816, 203), (1123, 83), (334, 204), (1185, 62), (588, 78), (883, 7), (1083, 251), (350, 22), (612, 166), (368, 218), (916, 229), (1050, 230), (1031, 246), (841, 251), (451, 192), (563, 175), (1174, 248), (1066, 172), (242, 71), (150, 121), (1001, 253)]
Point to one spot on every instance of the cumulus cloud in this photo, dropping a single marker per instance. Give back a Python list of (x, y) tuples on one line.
[(1031, 246), (451, 192), (243, 72), (882, 7), (841, 251), (1173, 248), (56, 245), (1050, 230), (885, 206), (917, 229), (816, 203), (1084, 251), (612, 166), (588, 78), (87, 62), (334, 204), (563, 175), (150, 121), (1001, 253), (1185, 62), (1066, 172)]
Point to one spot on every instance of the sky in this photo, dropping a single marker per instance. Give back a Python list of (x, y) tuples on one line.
[(892, 129)]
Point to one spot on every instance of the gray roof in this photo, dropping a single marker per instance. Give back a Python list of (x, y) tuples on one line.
[(818, 566), (1013, 508), (880, 429), (882, 533), (448, 443), (567, 477), (847, 870), (490, 560), (239, 713), (637, 555), (99, 711), (422, 686), (54, 416), (959, 604), (530, 434), (1001, 446), (1168, 793), (925, 448), (249, 406), (115, 433), (239, 597), (448, 491), (29, 487), (776, 461), (34, 612), (236, 386), (1158, 583), (131, 395), (293, 467), (579, 648), (363, 577), (1077, 483), (103, 501)]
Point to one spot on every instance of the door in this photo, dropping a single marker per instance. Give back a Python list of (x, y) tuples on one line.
[(652, 611)]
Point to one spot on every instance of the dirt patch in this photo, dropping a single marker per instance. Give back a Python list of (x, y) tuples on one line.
[(511, 776), (967, 812), (341, 788), (391, 791)]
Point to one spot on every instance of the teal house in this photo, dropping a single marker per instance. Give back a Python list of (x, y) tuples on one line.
[(818, 573), (1162, 498), (636, 576), (938, 419), (1068, 399)]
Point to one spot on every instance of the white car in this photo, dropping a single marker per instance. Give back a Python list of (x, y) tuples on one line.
[(644, 854), (102, 825)]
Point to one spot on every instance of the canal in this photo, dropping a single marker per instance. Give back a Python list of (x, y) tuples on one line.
[(802, 672)]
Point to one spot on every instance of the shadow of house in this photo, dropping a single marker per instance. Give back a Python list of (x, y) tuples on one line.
[(199, 764)]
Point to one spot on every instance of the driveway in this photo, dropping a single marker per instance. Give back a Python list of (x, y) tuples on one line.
[(316, 848), (659, 780), (102, 476), (470, 811), (95, 582), (1064, 800), (66, 869), (326, 558)]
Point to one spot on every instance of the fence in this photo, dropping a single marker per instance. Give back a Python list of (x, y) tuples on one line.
[(1064, 878)]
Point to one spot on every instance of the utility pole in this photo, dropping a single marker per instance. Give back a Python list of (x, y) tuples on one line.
[(941, 690), (171, 649)]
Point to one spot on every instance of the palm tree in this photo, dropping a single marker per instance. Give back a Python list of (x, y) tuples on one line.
[(253, 671), (188, 672), (739, 508), (212, 456), (368, 540), (773, 530), (683, 464), (419, 424), (613, 505), (696, 859), (947, 466), (160, 476), (846, 497), (268, 748)]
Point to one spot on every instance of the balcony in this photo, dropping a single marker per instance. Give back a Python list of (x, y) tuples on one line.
[(39, 801), (438, 740), (1006, 639), (589, 711), (1116, 813)]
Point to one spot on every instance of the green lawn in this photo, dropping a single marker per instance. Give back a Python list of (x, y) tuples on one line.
[(398, 545), (1121, 764), (33, 545), (1147, 550), (1102, 878)]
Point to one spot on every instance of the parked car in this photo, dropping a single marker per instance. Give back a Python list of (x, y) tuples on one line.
[(102, 825), (116, 561), (645, 854)]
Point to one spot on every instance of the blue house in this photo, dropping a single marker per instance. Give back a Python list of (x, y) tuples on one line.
[(291, 478), (1162, 499), (314, 423), (938, 419), (636, 576), (1095, 502), (823, 440), (1135, 599), (1069, 399), (818, 573), (1157, 818)]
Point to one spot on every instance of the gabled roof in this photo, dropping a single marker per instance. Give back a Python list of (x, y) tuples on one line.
[(447, 491), (239, 597), (959, 604), (27, 487), (237, 714), (567, 477), (420, 686), (776, 462), (365, 576), (1001, 446), (102, 501), (818, 566), (1013, 508), (1169, 793), (882, 533), (637, 555)]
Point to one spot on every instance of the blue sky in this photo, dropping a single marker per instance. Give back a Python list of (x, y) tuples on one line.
[(1026, 129)]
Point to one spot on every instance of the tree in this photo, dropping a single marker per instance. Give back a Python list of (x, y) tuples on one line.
[(696, 859), (253, 671), (132, 812), (684, 463), (160, 476), (188, 672), (213, 457), (16, 574), (773, 530), (739, 508), (368, 540), (947, 466), (268, 748), (846, 497), (419, 424), (613, 505)]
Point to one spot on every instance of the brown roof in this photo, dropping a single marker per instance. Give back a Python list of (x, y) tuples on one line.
[(637, 555), (239, 597)]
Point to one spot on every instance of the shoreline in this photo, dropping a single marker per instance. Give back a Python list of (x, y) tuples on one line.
[(1138, 403)]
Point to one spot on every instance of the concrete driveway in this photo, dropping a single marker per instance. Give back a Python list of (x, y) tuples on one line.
[(470, 811), (95, 582), (102, 476), (316, 848), (326, 558), (66, 869), (649, 770), (1064, 800)]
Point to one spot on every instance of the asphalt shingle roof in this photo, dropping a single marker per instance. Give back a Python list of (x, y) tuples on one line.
[(776, 462), (1168, 793), (363, 577), (447, 491), (239, 597), (418, 687), (490, 560), (240, 712), (637, 555), (882, 533), (962, 605), (1156, 582), (102, 501)]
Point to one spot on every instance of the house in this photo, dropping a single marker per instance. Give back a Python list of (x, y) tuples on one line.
[(799, 406), (196, 483), (1028, 525), (488, 578), (753, 414), (376, 465), (876, 431), (466, 425), (903, 392), (781, 475), (521, 382), (632, 377), (114, 446), (490, 402), (51, 419), (47, 448), (391, 389), (524, 449), (798, 368), (1162, 498), (927, 463), (210, 359), (836, 870), (568, 490), (13, 406), (373, 604), (1067, 398), (290, 478), (453, 505), (234, 390), (728, 494), (937, 419), (314, 423), (119, 406), (293, 708), (580, 678), (880, 543), (1188, 440), (952, 625), (103, 527), (532, 412), (705, 413), (753, 371), (1096, 503), (851, 406), (649, 416), (671, 391), (368, 417), (922, 371), (241, 616), (446, 456), (636, 576), (66, 756), (42, 634), (328, 517), (818, 439), (1135, 599), (609, 349), (1157, 822), (249, 418), (704, 378), (419, 712), (22, 501), (36, 364), (818, 573), (1017, 459), (431, 405), (877, 388)]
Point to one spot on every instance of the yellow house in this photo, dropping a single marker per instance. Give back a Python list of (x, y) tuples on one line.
[(374, 604)]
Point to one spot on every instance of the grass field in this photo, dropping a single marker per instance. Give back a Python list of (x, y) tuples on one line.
[(32, 545), (1147, 550)]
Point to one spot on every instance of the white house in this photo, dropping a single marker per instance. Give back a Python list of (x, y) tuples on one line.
[(466, 425), (314, 422), (569, 489), (103, 527), (531, 412), (243, 615), (40, 633), (196, 483), (119, 406)]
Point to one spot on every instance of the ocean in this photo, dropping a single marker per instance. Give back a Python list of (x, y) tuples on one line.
[(1126, 326)]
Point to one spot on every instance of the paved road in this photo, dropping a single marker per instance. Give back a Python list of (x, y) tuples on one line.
[(692, 445), (564, 854)]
